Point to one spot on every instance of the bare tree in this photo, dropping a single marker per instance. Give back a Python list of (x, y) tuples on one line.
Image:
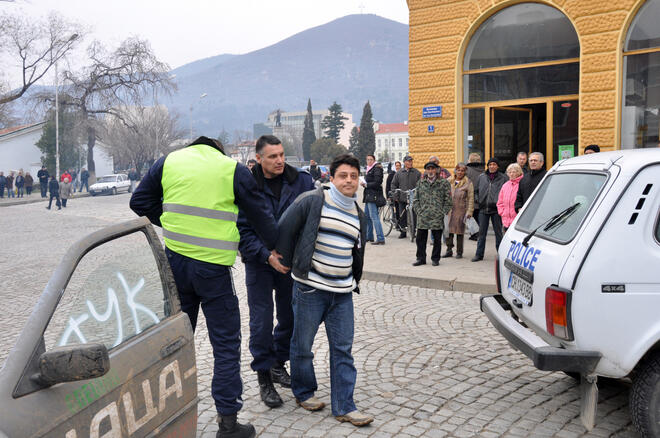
[(122, 78), (35, 46), (141, 135)]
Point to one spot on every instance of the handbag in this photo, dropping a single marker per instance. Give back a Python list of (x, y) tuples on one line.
[(380, 200)]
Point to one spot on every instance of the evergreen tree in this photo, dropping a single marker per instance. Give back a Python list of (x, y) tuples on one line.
[(366, 137), (353, 147), (70, 150), (309, 136), (333, 123), (324, 150)]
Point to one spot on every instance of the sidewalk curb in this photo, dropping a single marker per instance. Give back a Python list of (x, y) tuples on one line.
[(39, 199), (430, 283)]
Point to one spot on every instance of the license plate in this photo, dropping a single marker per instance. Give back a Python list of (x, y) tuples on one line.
[(521, 289)]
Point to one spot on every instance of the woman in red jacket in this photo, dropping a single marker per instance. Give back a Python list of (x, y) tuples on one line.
[(507, 198)]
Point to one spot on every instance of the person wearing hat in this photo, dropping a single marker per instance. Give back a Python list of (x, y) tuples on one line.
[(591, 149), (490, 183), (432, 202), (404, 179)]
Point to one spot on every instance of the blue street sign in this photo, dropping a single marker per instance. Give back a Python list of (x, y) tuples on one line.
[(431, 111), (431, 129)]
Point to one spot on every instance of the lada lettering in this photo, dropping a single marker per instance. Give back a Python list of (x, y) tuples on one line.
[(109, 414), (523, 256)]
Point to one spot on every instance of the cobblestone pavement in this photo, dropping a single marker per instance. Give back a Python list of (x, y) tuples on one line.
[(429, 363)]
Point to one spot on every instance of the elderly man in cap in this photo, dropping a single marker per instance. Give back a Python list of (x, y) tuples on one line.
[(432, 202), (404, 179)]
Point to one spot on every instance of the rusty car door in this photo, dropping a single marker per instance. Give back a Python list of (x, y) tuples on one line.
[(110, 309)]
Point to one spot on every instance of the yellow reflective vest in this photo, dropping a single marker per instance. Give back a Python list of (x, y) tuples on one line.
[(199, 213)]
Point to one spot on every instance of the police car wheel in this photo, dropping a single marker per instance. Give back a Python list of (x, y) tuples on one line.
[(114, 190), (645, 397)]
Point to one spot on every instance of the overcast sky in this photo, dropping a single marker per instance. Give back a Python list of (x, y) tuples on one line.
[(185, 31)]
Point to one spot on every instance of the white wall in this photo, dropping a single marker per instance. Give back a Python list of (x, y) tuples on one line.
[(18, 151)]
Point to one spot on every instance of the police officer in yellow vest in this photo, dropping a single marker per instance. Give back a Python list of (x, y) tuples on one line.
[(194, 194)]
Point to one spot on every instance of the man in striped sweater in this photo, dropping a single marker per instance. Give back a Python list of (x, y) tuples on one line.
[(322, 236)]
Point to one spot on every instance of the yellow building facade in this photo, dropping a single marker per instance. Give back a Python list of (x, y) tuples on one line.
[(497, 77)]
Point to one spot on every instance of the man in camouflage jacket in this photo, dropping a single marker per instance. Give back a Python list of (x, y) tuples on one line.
[(432, 202)]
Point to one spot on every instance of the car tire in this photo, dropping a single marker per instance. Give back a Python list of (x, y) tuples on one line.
[(645, 397), (114, 190)]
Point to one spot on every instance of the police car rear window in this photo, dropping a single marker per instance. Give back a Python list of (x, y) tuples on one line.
[(558, 192)]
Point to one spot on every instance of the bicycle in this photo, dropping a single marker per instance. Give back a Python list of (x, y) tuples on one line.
[(389, 218)]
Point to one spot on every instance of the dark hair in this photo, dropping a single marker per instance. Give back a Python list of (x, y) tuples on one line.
[(522, 152), (592, 147), (252, 160), (372, 156), (266, 139), (344, 159)]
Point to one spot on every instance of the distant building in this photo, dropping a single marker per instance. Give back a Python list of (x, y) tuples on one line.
[(292, 125), (18, 150), (391, 141), (259, 129)]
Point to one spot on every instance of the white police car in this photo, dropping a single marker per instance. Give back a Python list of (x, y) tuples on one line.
[(579, 278)]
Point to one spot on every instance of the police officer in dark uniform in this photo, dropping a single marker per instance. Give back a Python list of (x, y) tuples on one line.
[(194, 194), (281, 185)]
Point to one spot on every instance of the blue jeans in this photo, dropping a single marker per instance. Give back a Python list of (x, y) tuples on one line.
[(483, 231), (373, 221), (10, 192), (311, 307), (83, 183)]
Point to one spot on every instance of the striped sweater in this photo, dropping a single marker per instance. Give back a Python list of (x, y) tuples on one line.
[(332, 261)]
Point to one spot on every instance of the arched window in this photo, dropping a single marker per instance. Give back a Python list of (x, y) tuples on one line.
[(640, 127), (524, 51), (521, 75)]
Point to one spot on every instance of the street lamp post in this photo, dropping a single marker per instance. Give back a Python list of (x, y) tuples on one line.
[(201, 96), (57, 116)]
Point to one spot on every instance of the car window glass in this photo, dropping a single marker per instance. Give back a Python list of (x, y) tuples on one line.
[(558, 192), (114, 294)]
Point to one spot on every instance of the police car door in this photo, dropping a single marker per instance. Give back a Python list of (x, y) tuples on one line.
[(107, 351)]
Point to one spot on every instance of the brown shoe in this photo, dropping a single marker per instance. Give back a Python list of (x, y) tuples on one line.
[(311, 404), (356, 418)]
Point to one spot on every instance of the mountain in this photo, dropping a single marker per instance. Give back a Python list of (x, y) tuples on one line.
[(349, 60)]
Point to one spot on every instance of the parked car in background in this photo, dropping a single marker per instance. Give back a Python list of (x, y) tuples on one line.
[(578, 278), (110, 184), (107, 350)]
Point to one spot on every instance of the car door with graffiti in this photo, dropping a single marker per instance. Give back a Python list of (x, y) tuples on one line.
[(107, 351)]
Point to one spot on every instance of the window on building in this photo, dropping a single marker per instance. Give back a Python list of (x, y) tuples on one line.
[(640, 124), (527, 33), (407, 141), (379, 143), (400, 142)]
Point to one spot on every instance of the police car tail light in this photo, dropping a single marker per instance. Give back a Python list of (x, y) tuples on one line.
[(558, 312)]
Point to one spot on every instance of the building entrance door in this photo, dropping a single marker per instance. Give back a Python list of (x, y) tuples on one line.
[(511, 132)]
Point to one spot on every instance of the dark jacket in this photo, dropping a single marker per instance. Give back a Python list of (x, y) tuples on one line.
[(489, 191), (20, 181), (527, 185), (315, 172), (299, 229), (295, 181), (43, 175), (147, 199), (28, 181), (10, 182), (388, 183), (54, 187), (374, 188), (3, 181), (405, 179), (84, 175), (473, 172), (133, 175)]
